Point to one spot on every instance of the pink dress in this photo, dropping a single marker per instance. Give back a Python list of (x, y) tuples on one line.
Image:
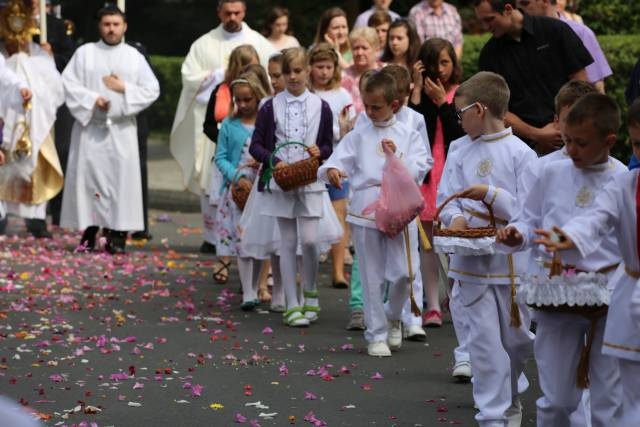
[(430, 189)]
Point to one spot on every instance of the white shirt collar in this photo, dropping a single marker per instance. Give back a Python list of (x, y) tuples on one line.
[(288, 97), (385, 123), (496, 136), (233, 36)]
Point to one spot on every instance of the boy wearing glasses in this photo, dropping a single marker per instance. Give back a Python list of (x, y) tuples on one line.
[(489, 168)]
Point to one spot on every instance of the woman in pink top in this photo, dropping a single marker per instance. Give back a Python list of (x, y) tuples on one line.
[(364, 45)]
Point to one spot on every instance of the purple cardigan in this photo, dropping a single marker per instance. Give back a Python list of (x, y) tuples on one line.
[(263, 141)]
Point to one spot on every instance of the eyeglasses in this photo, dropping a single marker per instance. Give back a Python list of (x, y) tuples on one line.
[(461, 111)]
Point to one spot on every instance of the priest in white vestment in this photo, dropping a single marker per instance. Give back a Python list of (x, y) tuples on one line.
[(207, 56), (107, 84), (33, 177), (14, 91)]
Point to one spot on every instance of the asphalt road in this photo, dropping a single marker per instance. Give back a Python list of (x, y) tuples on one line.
[(149, 340)]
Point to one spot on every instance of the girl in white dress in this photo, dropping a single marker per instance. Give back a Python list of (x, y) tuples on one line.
[(294, 115), (238, 169)]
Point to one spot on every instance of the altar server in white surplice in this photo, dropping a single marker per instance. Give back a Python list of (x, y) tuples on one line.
[(207, 56), (560, 337), (107, 84), (616, 213), (499, 339), (31, 181), (360, 156)]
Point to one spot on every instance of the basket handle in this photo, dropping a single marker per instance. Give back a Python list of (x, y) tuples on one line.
[(492, 218), (268, 173)]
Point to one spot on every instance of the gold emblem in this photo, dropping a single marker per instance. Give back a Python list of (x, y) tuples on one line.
[(484, 168), (584, 198)]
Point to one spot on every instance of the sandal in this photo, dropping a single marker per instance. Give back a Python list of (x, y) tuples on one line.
[(311, 311), (221, 274), (264, 295), (294, 318), (339, 284)]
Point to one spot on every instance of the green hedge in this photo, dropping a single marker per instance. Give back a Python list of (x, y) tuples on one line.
[(622, 53)]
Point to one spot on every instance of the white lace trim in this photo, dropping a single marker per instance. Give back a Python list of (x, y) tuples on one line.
[(574, 290), (464, 246)]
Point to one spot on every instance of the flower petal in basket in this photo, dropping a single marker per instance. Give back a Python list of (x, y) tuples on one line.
[(464, 246), (576, 290)]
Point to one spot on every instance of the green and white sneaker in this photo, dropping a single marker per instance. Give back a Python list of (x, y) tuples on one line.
[(295, 318)]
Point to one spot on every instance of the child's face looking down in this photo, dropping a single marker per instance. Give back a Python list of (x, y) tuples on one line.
[(275, 74), (377, 108), (296, 78), (470, 116), (584, 144)]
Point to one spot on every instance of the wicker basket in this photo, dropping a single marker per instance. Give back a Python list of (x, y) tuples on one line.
[(297, 174), (239, 195), (469, 233)]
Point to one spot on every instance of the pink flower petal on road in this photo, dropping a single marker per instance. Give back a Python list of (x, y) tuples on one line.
[(240, 419), (309, 396), (138, 386), (377, 376), (267, 330)]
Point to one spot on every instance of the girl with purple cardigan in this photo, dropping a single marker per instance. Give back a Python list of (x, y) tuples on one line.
[(298, 115)]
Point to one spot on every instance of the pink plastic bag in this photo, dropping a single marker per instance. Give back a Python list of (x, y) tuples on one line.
[(400, 200)]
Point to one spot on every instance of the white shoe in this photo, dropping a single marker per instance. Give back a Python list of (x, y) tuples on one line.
[(514, 414), (394, 338), (462, 371), (414, 333), (378, 349)]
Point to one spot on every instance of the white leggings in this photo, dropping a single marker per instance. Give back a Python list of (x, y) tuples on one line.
[(308, 228)]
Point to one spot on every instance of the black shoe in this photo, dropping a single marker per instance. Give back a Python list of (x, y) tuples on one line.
[(141, 235), (3, 225), (88, 239), (37, 228), (207, 248), (116, 242)]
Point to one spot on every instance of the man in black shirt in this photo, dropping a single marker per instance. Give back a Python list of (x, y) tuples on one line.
[(536, 56)]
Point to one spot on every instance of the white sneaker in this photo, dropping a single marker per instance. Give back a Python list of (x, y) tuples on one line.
[(462, 371), (394, 339), (514, 414), (414, 333), (378, 349)]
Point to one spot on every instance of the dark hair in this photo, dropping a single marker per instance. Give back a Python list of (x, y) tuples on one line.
[(601, 110), (402, 77), (379, 17), (110, 9), (414, 42), (430, 56), (571, 91), (496, 5), (221, 2), (385, 83), (633, 116), (276, 13), (323, 25)]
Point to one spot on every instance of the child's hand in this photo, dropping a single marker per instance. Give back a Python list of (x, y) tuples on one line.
[(281, 165), (314, 151), (335, 177), (346, 124), (418, 69), (435, 91), (555, 240), (509, 236), (388, 146), (459, 224), (26, 94), (475, 192)]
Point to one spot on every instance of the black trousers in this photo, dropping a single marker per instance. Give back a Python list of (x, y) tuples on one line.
[(62, 131)]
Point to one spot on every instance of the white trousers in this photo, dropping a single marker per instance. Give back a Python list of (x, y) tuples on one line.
[(460, 324), (630, 375), (208, 218), (381, 260), (559, 341), (408, 318), (498, 351)]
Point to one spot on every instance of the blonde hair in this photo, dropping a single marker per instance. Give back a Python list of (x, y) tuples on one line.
[(489, 89), (290, 55), (366, 33), (240, 57), (255, 82), (326, 52)]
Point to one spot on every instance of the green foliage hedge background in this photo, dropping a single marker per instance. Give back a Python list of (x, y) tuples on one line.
[(622, 52)]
